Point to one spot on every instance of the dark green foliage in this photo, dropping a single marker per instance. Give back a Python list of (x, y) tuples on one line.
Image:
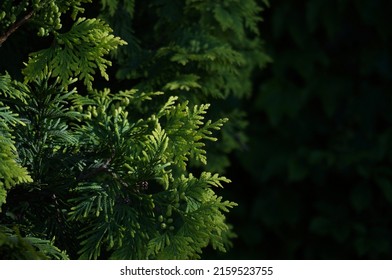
[(198, 50), (15, 247), (106, 173), (320, 150)]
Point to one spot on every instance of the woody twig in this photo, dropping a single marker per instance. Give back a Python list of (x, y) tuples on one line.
[(15, 26)]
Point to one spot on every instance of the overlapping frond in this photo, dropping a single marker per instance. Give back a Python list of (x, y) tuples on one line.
[(76, 53)]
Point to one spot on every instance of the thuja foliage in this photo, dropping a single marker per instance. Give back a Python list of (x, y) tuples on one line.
[(197, 50), (91, 172)]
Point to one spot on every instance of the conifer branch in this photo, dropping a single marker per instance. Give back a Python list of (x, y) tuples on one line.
[(15, 26)]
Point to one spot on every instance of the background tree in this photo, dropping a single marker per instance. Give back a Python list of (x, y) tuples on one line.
[(319, 154), (107, 173)]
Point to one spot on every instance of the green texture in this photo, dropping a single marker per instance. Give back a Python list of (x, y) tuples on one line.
[(119, 169)]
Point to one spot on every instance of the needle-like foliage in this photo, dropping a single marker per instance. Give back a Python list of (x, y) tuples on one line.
[(94, 173)]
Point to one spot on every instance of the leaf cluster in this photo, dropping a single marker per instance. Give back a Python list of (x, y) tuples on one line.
[(134, 176), (106, 175), (197, 50), (76, 53)]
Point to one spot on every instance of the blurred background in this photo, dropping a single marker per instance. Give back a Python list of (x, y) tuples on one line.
[(315, 180)]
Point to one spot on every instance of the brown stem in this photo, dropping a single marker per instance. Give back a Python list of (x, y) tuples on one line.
[(15, 26)]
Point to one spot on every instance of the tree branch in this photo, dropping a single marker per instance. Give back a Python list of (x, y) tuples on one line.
[(15, 26)]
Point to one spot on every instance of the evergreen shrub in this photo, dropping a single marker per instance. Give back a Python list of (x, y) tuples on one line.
[(104, 122)]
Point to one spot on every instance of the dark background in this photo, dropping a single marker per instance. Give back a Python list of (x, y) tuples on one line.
[(315, 179)]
